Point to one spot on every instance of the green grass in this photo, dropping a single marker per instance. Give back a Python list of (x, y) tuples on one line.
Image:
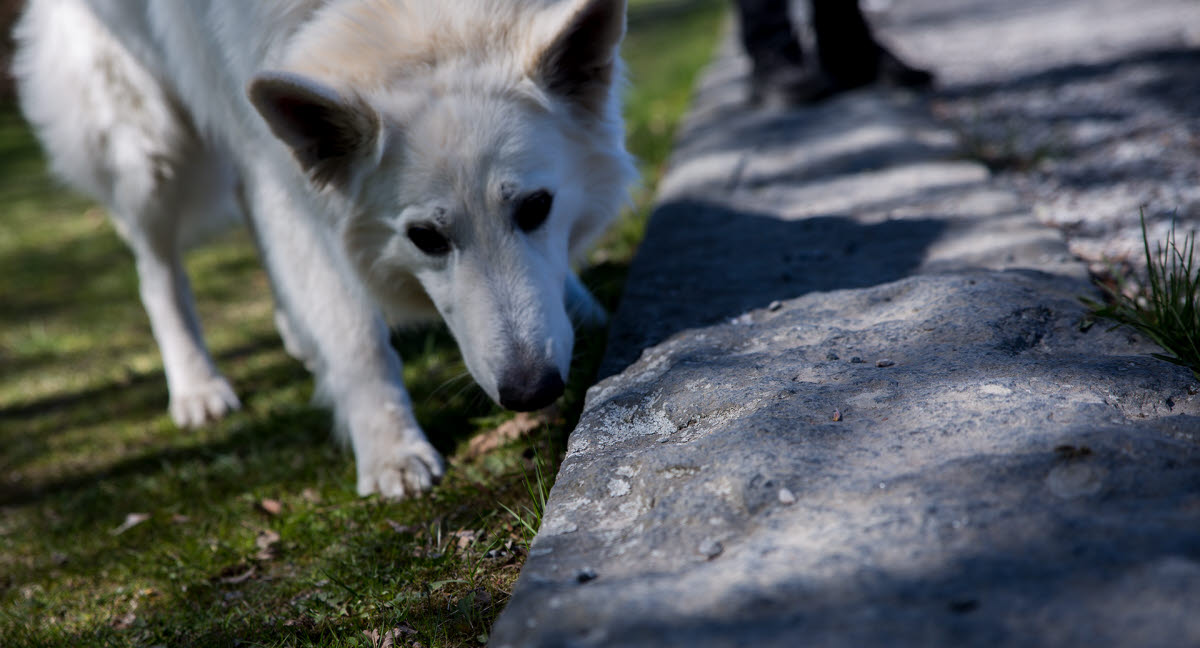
[(1166, 306), (529, 517), (86, 440)]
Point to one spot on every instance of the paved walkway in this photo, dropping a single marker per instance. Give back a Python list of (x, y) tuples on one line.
[(850, 396)]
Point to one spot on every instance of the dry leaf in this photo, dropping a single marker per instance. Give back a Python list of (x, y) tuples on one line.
[(131, 520), (125, 621), (310, 495), (180, 518), (238, 578), (271, 506), (465, 537), (514, 428), (388, 639), (267, 543)]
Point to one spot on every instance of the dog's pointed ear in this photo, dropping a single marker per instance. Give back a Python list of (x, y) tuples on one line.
[(328, 133), (580, 62)]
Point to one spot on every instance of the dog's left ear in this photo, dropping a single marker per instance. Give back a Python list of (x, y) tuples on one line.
[(327, 133), (579, 64)]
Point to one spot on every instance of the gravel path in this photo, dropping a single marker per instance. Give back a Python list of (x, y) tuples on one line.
[(1089, 109)]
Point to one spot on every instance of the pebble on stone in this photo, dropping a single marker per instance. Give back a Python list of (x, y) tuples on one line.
[(856, 360), (831, 356), (786, 496), (775, 305), (710, 549), (884, 362)]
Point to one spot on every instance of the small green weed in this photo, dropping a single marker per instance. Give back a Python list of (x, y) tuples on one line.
[(1166, 308), (529, 517)]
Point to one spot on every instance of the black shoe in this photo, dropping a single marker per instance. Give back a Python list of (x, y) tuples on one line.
[(895, 72), (791, 86)]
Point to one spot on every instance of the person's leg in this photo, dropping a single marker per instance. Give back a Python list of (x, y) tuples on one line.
[(768, 35), (848, 53), (779, 73)]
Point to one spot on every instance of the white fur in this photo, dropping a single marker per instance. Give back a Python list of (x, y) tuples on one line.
[(449, 119)]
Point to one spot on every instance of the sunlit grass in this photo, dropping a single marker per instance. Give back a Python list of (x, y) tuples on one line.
[(86, 440), (1165, 307)]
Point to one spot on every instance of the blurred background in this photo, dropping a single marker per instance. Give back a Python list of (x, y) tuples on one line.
[(8, 14)]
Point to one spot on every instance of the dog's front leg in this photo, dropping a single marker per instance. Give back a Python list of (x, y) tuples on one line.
[(581, 305), (355, 365)]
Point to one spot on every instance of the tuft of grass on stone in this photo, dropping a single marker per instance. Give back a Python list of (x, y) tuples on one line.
[(1166, 307)]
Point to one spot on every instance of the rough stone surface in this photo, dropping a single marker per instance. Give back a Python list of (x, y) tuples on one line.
[(990, 471)]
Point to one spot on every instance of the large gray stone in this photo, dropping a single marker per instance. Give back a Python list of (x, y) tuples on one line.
[(994, 471), (1009, 480)]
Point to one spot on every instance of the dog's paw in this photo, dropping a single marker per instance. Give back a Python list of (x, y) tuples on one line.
[(199, 404), (406, 469)]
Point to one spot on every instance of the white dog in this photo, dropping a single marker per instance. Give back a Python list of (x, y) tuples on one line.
[(394, 159)]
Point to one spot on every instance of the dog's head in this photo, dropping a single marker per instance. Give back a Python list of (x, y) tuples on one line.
[(468, 172)]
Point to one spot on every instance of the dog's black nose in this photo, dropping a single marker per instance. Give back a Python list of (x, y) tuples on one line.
[(526, 388)]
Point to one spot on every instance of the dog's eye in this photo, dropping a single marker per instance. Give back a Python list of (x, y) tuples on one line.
[(533, 210), (428, 240)]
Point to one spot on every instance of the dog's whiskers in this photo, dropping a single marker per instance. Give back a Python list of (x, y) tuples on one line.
[(452, 380)]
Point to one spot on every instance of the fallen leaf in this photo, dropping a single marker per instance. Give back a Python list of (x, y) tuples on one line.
[(310, 495), (125, 621), (271, 506), (238, 578), (388, 639), (267, 543), (180, 518), (465, 537), (514, 428), (131, 520)]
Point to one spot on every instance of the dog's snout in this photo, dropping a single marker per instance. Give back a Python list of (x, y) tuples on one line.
[(526, 388)]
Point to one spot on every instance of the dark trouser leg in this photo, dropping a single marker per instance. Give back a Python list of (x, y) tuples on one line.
[(768, 36), (848, 52), (779, 76), (845, 47)]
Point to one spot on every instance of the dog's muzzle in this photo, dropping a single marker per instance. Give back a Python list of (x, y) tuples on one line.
[(525, 388)]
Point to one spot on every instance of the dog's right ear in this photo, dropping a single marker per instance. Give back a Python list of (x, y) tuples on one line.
[(579, 64), (328, 133)]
